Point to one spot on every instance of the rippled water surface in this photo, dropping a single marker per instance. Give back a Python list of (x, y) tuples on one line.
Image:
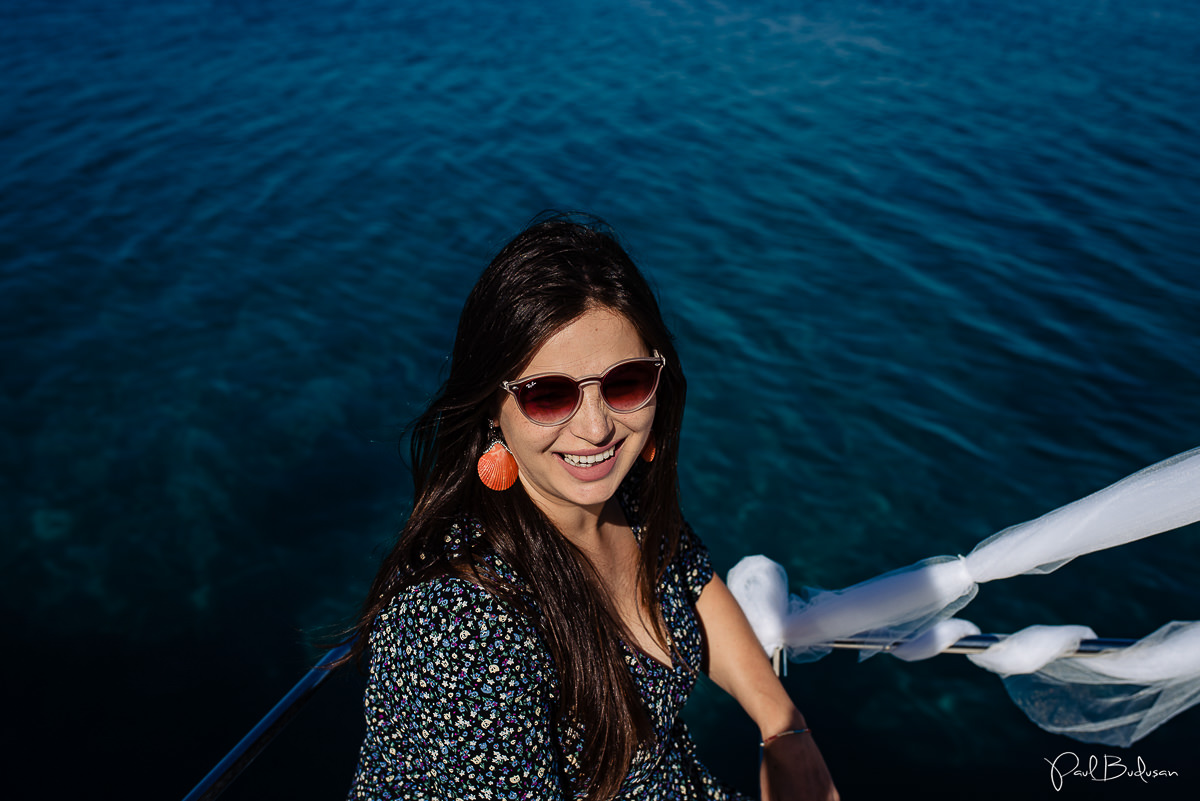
[(932, 265)]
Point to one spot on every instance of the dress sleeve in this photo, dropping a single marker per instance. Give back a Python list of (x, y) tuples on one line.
[(469, 687), (695, 565)]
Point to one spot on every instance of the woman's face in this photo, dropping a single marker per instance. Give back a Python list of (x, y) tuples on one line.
[(588, 346)]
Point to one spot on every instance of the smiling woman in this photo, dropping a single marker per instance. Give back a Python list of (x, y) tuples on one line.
[(573, 467), (537, 635)]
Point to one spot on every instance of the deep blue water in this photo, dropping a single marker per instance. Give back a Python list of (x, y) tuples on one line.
[(933, 267)]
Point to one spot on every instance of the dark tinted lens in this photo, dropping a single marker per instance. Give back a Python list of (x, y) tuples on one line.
[(628, 386), (549, 399)]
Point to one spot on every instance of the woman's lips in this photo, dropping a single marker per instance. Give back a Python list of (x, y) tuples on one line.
[(591, 465), (589, 459)]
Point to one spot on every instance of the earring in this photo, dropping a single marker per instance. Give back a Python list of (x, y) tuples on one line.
[(649, 450), (497, 467)]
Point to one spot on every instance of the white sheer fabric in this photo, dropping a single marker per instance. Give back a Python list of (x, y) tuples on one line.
[(761, 588), (1113, 699), (1032, 648), (1159, 498), (1117, 698), (934, 640)]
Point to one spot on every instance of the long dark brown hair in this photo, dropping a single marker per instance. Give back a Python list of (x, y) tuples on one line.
[(545, 278)]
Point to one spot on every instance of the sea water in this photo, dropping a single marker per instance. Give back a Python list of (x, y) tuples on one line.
[(932, 265)]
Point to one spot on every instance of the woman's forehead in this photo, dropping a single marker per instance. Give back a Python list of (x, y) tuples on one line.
[(588, 345)]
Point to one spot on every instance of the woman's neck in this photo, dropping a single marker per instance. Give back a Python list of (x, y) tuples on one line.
[(589, 528)]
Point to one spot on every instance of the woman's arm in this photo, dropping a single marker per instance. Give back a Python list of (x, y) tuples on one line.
[(793, 767)]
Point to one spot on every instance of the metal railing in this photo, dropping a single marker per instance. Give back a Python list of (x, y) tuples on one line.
[(975, 644), (265, 730)]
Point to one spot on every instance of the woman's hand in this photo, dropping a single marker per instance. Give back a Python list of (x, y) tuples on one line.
[(794, 770)]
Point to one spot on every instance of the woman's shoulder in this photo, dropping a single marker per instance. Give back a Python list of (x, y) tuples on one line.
[(449, 626), (455, 606), (448, 601)]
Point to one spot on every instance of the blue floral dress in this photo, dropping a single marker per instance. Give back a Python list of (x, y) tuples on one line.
[(460, 699)]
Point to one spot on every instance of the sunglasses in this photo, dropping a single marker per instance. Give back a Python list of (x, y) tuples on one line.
[(551, 399)]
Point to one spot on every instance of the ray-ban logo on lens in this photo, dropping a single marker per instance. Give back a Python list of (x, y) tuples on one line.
[(1106, 768)]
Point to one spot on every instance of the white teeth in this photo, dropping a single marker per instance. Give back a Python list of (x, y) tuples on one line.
[(584, 461)]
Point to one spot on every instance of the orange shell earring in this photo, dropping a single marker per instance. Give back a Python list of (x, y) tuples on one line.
[(649, 450), (497, 467)]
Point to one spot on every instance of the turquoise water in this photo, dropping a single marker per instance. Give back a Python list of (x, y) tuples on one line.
[(932, 266)]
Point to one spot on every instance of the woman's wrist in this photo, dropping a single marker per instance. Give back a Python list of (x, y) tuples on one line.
[(785, 733), (784, 720)]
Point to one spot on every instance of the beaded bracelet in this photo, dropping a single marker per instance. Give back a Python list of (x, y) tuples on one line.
[(775, 737)]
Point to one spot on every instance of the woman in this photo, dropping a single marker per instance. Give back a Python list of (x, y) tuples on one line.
[(541, 621)]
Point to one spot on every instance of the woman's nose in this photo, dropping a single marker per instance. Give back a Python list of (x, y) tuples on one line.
[(592, 422)]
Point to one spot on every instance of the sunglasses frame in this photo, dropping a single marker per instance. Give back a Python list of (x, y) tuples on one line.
[(512, 387)]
